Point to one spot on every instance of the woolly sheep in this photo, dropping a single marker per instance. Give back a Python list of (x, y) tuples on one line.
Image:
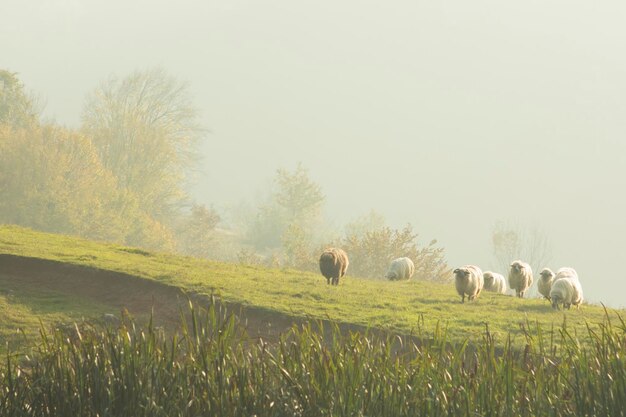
[(468, 280), (494, 282), (566, 291), (333, 264), (401, 268), (520, 277), (544, 283), (566, 272)]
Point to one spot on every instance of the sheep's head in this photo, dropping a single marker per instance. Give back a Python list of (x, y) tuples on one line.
[(546, 274), (391, 275), (488, 277), (517, 266), (556, 300), (461, 273)]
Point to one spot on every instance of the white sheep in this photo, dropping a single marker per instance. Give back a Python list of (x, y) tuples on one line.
[(494, 282), (520, 277), (544, 284), (566, 291), (401, 268), (468, 280), (566, 272)]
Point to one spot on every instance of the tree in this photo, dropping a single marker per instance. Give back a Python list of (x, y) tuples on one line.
[(51, 179), (368, 223), (146, 131), (196, 235), (17, 109), (297, 247), (371, 253), (298, 195), (511, 242), (292, 210)]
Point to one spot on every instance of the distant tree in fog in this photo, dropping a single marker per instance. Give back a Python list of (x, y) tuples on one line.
[(293, 210), (196, 232), (17, 108), (146, 130), (367, 223), (511, 242), (298, 195)]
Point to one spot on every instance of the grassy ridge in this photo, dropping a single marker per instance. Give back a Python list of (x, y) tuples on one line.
[(392, 305)]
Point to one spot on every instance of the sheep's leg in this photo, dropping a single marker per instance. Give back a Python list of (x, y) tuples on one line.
[(327, 281), (463, 298)]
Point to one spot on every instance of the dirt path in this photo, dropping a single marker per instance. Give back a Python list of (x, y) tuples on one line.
[(137, 295)]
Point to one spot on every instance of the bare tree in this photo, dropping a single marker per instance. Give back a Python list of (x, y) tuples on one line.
[(512, 241)]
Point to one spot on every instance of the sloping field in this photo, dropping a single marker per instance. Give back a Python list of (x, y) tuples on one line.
[(60, 294), (60, 278)]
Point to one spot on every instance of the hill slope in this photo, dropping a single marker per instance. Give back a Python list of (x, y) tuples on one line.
[(48, 294)]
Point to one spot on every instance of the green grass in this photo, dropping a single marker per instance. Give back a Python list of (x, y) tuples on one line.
[(398, 306), (212, 369), (23, 309)]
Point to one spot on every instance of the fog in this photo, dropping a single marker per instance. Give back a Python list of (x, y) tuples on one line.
[(447, 115)]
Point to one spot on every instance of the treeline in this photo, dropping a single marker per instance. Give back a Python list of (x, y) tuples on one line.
[(121, 177)]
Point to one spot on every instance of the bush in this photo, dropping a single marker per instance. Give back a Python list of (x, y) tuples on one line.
[(371, 253)]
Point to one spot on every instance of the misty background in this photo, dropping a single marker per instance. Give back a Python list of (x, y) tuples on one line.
[(451, 116)]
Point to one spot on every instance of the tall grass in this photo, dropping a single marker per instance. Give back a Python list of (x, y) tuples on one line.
[(212, 369)]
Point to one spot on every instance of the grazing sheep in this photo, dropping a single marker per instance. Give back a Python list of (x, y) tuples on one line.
[(401, 268), (566, 291), (544, 284), (468, 280), (520, 277), (494, 282), (333, 264)]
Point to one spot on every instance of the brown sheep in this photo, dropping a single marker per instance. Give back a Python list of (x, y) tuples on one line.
[(333, 264)]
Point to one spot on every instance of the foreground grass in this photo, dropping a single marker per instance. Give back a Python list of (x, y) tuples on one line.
[(398, 306), (212, 369)]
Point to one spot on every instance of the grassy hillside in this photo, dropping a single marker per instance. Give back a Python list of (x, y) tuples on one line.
[(401, 306)]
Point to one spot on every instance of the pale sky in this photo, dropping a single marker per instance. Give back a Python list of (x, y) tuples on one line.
[(449, 115)]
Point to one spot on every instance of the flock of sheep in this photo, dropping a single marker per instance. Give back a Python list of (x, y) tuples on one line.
[(562, 288)]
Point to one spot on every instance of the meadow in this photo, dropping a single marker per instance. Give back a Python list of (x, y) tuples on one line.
[(415, 349), (393, 306)]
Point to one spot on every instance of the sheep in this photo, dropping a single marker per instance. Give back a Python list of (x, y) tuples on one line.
[(520, 277), (544, 284), (566, 291), (468, 280), (494, 282), (566, 272), (333, 264), (401, 268)]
